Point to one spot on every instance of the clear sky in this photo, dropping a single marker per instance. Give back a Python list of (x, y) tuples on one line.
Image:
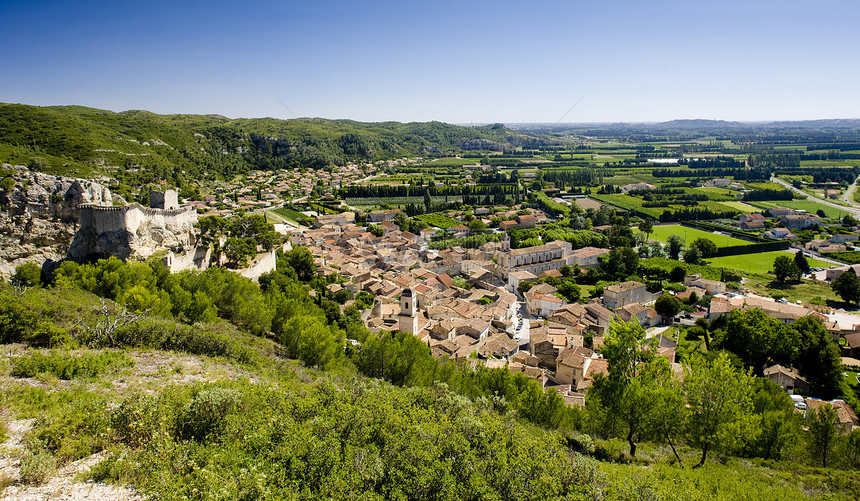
[(455, 61)]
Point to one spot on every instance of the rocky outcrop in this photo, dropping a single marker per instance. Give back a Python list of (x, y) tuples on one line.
[(39, 215)]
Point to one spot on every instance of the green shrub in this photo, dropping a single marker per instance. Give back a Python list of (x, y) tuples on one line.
[(74, 429), (135, 421), (68, 365), (4, 428), (204, 415), (37, 467)]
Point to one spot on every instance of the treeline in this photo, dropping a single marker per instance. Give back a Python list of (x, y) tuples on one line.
[(773, 160), (387, 191), (695, 213), (739, 174), (761, 194), (720, 162), (841, 175), (586, 176)]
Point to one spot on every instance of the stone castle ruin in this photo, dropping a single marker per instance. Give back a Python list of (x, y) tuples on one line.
[(134, 231)]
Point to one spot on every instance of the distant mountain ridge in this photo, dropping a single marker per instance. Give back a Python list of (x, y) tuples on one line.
[(77, 138)]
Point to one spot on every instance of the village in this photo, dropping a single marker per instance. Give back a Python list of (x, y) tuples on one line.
[(465, 305)]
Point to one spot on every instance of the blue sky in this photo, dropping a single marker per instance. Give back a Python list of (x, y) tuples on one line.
[(454, 61)]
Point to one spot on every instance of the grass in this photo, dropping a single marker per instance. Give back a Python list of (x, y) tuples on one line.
[(806, 291), (662, 233), (736, 479), (807, 205), (746, 208), (756, 263), (291, 214)]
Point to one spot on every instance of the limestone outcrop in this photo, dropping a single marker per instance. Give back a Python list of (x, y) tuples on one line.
[(39, 215)]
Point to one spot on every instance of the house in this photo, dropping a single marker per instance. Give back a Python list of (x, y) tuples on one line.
[(572, 363), (516, 277), (843, 237), (637, 187), (643, 315), (541, 300), (780, 234), (788, 379), (780, 211), (377, 216), (618, 295), (751, 221), (525, 221), (834, 273), (711, 287), (847, 419), (586, 256), (799, 221)]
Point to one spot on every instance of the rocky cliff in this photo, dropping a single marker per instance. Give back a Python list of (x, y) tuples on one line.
[(39, 216)]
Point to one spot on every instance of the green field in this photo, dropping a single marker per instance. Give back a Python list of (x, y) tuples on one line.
[(745, 208), (757, 263), (438, 220), (662, 233), (807, 205)]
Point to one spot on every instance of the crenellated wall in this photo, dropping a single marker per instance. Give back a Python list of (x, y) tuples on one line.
[(131, 217)]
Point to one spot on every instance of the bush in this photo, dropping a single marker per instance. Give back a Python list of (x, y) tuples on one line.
[(135, 421), (72, 430), (69, 366), (37, 467), (203, 416)]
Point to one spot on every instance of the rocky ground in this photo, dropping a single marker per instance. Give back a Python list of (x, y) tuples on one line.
[(66, 484), (152, 371)]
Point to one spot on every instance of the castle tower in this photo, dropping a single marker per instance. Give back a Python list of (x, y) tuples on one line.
[(166, 200), (408, 318), (506, 242)]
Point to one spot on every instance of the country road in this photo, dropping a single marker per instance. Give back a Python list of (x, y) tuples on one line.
[(848, 196), (853, 210)]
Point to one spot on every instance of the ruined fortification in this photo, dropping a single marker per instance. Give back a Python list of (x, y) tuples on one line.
[(134, 231)]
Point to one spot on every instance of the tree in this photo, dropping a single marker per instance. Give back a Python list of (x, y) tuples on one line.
[(301, 260), (667, 305), (621, 394), (675, 244), (428, 202), (646, 227), (376, 230), (677, 274), (780, 421), (693, 256), (476, 226), (27, 275), (757, 339), (621, 262), (721, 410), (801, 263), (847, 285), (785, 268), (818, 357), (667, 415), (822, 433), (848, 220), (706, 247)]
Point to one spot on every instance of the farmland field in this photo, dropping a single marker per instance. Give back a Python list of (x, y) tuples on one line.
[(745, 208), (807, 205), (760, 263), (373, 201), (438, 220), (662, 233)]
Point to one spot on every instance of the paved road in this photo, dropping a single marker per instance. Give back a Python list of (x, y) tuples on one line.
[(848, 196), (853, 210)]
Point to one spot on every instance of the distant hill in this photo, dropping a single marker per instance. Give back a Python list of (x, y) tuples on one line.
[(81, 140)]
